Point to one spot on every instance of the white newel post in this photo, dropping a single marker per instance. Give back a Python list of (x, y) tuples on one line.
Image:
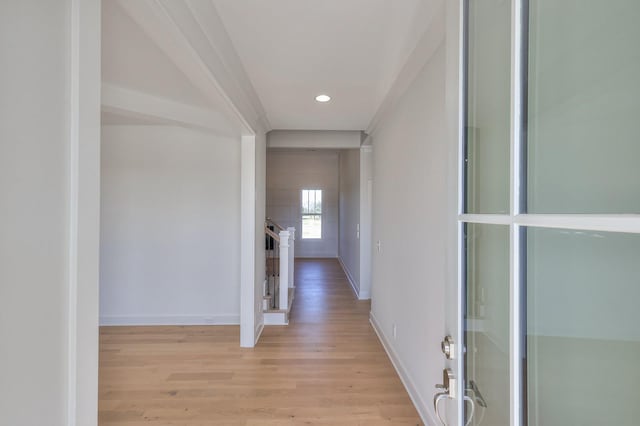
[(292, 255), (284, 270)]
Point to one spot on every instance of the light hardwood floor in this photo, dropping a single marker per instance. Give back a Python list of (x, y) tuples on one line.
[(326, 368)]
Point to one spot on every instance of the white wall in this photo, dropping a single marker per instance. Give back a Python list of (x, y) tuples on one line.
[(411, 221), (288, 173), (170, 226), (48, 212), (349, 247)]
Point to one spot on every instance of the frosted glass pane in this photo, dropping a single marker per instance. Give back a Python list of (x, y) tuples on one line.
[(487, 324), (583, 338), (488, 106), (584, 105)]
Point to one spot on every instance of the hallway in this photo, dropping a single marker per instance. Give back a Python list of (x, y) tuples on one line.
[(326, 368)]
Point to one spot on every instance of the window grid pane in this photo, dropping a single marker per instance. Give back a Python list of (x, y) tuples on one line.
[(582, 316), (487, 107), (584, 85), (486, 361)]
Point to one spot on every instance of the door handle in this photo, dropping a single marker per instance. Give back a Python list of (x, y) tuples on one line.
[(448, 385), (448, 391)]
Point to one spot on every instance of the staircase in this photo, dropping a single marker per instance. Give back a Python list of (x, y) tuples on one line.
[(279, 289)]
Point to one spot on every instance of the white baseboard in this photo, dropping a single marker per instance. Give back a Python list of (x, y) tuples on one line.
[(171, 320), (351, 280), (316, 256), (258, 332), (422, 407)]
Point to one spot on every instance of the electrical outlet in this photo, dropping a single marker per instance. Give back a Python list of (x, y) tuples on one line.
[(394, 331)]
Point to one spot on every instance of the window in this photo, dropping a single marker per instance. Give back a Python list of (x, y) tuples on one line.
[(311, 214)]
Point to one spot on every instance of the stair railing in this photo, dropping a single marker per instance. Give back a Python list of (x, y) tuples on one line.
[(280, 255), (273, 266)]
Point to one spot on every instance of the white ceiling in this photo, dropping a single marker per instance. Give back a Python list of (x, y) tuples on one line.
[(351, 50)]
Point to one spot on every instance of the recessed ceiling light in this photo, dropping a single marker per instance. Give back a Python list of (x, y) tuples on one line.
[(323, 98)]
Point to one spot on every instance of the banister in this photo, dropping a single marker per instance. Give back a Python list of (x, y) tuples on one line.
[(272, 234), (270, 221), (279, 268), (283, 296)]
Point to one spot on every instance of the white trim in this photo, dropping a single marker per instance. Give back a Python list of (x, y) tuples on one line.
[(515, 337), (420, 405), (74, 188), (627, 223), (606, 223), (462, 108), (143, 320), (516, 112), (488, 219), (352, 282), (515, 284), (459, 362), (456, 13), (247, 241), (84, 211)]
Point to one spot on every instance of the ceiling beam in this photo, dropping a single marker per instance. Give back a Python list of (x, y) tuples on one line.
[(172, 27), (141, 105), (314, 139)]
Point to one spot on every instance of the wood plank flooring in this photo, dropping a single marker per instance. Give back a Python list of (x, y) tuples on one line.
[(326, 368)]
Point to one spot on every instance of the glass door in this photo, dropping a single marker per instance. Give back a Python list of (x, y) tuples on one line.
[(550, 213)]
